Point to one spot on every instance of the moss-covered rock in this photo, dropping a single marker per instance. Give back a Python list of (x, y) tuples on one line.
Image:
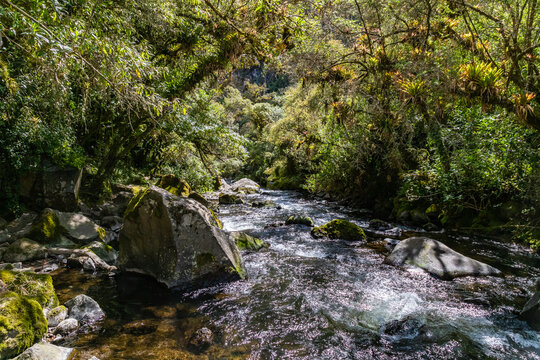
[(301, 220), (245, 242), (245, 186), (199, 198), (53, 227), (24, 250), (104, 251), (174, 185), (340, 229), (229, 199), (38, 287), (22, 323)]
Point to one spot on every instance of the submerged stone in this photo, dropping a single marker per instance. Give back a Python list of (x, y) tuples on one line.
[(340, 229), (176, 241), (437, 259)]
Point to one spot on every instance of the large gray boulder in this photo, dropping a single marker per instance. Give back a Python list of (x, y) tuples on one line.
[(176, 240), (437, 259), (245, 186), (531, 311), (45, 351)]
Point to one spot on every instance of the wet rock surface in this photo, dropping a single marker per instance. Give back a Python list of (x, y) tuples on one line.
[(437, 259)]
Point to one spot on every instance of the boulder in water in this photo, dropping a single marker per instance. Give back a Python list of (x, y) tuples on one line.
[(177, 241), (174, 185), (437, 259), (57, 315), (104, 251), (245, 186), (229, 199), (45, 351), (245, 242), (300, 220), (531, 311), (201, 340), (85, 309), (339, 229)]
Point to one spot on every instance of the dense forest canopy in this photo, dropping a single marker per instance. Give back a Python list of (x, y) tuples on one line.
[(425, 106)]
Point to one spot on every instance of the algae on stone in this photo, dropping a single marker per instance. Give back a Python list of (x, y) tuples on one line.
[(340, 229), (22, 323)]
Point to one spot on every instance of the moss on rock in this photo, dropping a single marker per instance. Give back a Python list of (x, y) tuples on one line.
[(228, 199), (135, 201), (47, 229), (245, 242), (174, 185), (300, 220), (218, 222), (22, 323), (340, 229), (38, 287)]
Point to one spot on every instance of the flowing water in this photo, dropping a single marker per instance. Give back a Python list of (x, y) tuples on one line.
[(312, 298)]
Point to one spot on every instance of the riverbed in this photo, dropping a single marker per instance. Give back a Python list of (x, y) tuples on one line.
[(309, 298)]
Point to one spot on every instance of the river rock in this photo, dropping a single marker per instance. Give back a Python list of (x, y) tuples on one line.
[(245, 242), (229, 199), (33, 286), (300, 220), (57, 315), (176, 240), (53, 225), (199, 198), (245, 186), (24, 250), (85, 309), (201, 339), (531, 311), (263, 203), (437, 259), (378, 224), (45, 351), (21, 323), (66, 327), (339, 229), (174, 185), (104, 251), (22, 226)]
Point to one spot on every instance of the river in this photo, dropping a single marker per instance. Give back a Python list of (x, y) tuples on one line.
[(312, 298)]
